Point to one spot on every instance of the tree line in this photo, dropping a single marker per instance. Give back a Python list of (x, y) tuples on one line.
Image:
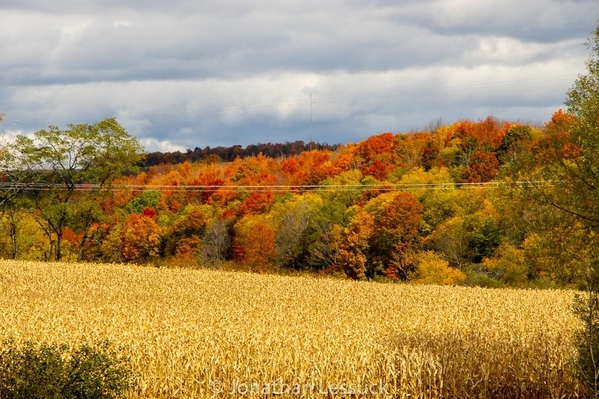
[(412, 206), (228, 154)]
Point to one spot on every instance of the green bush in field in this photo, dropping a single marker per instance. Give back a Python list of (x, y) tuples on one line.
[(32, 371)]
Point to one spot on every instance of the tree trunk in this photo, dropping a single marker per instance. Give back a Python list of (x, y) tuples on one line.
[(58, 254), (81, 246), (13, 240)]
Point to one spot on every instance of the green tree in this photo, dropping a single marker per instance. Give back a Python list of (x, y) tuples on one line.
[(77, 168), (514, 137), (582, 171), (562, 172), (562, 167)]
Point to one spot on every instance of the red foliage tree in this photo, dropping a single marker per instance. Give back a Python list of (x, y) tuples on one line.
[(378, 156), (380, 240), (397, 228), (483, 167)]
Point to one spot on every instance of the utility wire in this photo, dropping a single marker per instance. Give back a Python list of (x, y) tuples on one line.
[(264, 188)]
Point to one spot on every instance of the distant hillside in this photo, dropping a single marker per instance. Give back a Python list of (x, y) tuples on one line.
[(227, 154)]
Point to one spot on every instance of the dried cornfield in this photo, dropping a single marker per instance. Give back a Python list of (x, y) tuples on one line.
[(211, 334)]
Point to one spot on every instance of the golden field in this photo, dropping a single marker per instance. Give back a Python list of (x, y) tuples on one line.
[(211, 334)]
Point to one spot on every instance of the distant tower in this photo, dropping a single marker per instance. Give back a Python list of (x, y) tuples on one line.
[(310, 121)]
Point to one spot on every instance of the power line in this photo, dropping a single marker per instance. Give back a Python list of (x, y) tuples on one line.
[(267, 188)]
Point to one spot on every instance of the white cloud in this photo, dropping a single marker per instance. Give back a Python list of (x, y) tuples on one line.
[(69, 31), (152, 145), (121, 23)]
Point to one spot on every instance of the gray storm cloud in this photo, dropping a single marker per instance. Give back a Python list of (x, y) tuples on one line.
[(184, 74)]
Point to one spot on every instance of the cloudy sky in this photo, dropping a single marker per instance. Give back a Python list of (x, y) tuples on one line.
[(195, 73)]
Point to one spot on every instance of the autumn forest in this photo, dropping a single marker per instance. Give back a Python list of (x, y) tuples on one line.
[(452, 204)]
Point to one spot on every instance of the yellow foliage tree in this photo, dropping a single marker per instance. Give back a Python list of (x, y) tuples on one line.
[(559, 255), (432, 269), (21, 237), (508, 265)]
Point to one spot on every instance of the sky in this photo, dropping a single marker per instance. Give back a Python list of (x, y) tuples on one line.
[(186, 73)]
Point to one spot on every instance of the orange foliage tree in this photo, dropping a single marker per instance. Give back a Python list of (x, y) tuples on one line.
[(211, 179), (254, 245), (256, 203), (251, 171), (354, 247), (558, 145), (311, 167), (140, 237), (486, 133)]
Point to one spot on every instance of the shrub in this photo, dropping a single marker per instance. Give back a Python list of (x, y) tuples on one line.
[(31, 371), (586, 340), (476, 277)]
